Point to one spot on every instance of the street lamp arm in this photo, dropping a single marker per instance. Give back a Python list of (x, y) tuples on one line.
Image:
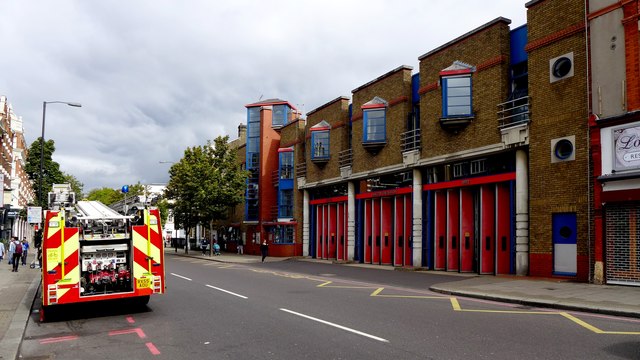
[(44, 113)]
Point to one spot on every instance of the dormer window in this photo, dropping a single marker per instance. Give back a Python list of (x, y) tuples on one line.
[(374, 114), (320, 142), (457, 95)]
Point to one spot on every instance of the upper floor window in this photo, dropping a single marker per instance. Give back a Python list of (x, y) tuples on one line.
[(320, 136), (456, 90), (456, 96), (374, 115), (280, 115), (286, 163)]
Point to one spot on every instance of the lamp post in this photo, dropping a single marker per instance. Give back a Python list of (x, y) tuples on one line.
[(44, 113)]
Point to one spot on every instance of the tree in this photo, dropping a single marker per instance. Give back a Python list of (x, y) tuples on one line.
[(105, 195), (204, 184), (51, 173), (76, 185), (163, 206)]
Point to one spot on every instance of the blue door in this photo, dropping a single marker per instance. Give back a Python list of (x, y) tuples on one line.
[(565, 244)]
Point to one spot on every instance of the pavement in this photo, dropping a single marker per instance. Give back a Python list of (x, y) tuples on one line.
[(18, 291)]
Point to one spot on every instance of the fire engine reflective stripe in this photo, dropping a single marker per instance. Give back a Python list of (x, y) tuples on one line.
[(71, 256), (53, 242), (143, 249)]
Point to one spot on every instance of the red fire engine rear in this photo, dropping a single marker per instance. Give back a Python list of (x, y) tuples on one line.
[(92, 253)]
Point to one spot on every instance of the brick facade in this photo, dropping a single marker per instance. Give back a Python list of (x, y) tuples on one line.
[(488, 45), (395, 88), (559, 109)]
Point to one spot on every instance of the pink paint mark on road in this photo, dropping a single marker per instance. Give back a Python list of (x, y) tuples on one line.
[(152, 348), (58, 339), (138, 331), (130, 319)]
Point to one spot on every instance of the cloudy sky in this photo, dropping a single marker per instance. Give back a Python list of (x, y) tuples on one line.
[(157, 76)]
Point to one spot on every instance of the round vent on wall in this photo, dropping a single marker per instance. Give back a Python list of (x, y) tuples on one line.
[(563, 149), (561, 67)]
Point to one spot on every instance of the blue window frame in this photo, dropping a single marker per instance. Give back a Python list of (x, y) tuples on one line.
[(319, 144), (456, 96), (280, 115), (286, 165), (283, 234), (375, 125), (285, 206)]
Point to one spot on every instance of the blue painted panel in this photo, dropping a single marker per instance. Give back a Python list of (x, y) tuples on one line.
[(518, 42), (564, 228), (286, 184), (415, 85)]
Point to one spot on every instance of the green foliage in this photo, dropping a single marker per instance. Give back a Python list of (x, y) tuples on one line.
[(51, 173), (205, 183), (105, 195), (163, 206), (76, 185)]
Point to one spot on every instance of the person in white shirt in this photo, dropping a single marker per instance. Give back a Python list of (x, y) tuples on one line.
[(1, 251)]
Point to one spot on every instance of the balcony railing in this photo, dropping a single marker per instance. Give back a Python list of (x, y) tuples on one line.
[(345, 158), (301, 170), (513, 112), (410, 140)]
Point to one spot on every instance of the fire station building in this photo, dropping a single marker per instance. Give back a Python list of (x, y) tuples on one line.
[(484, 159)]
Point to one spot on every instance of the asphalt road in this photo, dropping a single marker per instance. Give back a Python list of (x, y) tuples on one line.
[(302, 310)]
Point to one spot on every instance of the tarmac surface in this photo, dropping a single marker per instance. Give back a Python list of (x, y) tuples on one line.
[(18, 292)]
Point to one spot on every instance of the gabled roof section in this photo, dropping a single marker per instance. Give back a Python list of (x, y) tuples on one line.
[(458, 67), (271, 102), (376, 102), (491, 23), (322, 125)]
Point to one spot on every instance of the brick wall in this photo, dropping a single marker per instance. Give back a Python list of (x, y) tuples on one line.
[(395, 88), (486, 49), (558, 109), (336, 113)]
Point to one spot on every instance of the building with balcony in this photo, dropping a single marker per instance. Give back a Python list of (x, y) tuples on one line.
[(509, 151), (17, 188), (614, 132), (266, 148)]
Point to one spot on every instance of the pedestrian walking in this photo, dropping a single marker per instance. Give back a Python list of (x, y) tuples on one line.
[(11, 249), (264, 249), (17, 253), (240, 247), (205, 246), (1, 250), (25, 251)]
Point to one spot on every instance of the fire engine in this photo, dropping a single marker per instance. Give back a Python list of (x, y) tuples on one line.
[(91, 252)]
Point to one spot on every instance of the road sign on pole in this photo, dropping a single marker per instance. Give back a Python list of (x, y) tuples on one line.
[(34, 214)]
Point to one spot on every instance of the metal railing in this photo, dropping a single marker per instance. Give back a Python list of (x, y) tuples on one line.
[(410, 140), (345, 158), (514, 112)]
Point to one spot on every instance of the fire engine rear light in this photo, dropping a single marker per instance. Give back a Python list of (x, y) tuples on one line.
[(157, 284), (52, 294)]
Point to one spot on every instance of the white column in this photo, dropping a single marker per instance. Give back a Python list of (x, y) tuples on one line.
[(305, 223), (417, 218), (522, 213), (351, 220)]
